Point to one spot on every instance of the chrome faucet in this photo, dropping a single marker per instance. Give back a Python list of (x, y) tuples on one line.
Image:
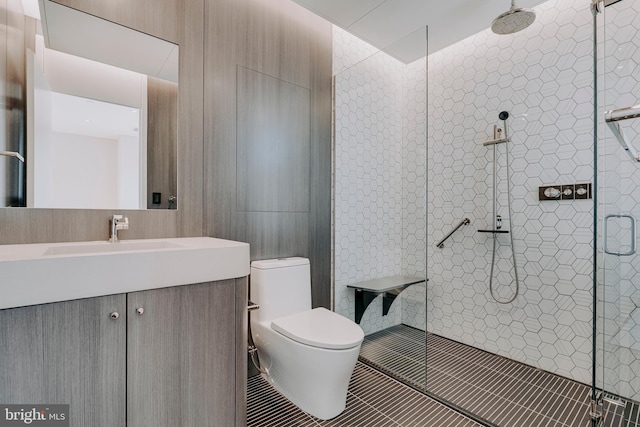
[(117, 222)]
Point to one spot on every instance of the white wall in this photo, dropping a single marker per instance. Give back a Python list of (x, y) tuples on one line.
[(84, 172), (128, 173)]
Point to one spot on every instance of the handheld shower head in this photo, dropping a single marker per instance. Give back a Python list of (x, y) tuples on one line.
[(514, 20)]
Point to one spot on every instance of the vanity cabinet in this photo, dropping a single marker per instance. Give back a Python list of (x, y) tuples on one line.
[(70, 352), (169, 357), (180, 370)]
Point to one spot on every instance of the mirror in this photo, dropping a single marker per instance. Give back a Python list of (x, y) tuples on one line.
[(101, 116)]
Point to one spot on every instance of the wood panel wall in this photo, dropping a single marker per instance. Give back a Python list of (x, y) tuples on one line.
[(276, 38), (162, 145), (289, 47)]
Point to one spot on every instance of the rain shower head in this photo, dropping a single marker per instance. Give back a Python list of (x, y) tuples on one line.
[(514, 20)]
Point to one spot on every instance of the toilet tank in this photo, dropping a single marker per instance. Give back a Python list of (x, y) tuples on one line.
[(280, 287)]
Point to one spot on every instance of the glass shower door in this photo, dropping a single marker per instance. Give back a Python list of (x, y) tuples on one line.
[(617, 273)]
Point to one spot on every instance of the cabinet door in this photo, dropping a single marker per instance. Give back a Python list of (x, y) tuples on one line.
[(72, 353), (21, 355), (181, 365), (85, 359)]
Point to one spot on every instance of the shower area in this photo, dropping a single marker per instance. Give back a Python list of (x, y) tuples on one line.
[(529, 315)]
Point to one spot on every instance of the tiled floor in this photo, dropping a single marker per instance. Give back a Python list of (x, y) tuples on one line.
[(496, 389), (373, 400), (631, 417)]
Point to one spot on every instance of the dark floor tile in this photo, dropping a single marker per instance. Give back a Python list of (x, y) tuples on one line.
[(373, 400), (502, 391)]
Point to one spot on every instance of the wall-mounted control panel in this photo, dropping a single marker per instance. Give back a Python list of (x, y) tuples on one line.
[(565, 192)]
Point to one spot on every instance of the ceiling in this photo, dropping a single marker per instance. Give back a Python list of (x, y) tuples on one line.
[(398, 26)]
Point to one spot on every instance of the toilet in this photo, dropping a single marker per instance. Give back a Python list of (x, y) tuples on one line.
[(307, 354)]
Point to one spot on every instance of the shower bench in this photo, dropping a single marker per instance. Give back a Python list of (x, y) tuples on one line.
[(389, 287)]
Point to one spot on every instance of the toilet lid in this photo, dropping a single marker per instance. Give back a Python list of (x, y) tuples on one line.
[(320, 328)]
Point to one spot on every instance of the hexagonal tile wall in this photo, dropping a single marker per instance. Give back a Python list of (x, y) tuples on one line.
[(543, 77)]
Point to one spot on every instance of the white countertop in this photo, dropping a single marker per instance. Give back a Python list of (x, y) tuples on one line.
[(49, 272)]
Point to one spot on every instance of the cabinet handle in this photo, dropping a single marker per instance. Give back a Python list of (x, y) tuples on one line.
[(140, 311), (114, 315)]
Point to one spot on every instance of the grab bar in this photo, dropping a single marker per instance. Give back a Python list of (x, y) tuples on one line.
[(613, 117), (465, 221), (12, 154), (622, 114)]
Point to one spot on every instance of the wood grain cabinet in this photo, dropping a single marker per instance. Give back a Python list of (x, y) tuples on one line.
[(71, 352), (180, 370), (169, 357)]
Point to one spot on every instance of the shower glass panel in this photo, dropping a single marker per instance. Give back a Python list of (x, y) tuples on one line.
[(380, 199), (617, 361), (522, 357)]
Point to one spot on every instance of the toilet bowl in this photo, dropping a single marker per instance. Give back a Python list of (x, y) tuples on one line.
[(307, 354)]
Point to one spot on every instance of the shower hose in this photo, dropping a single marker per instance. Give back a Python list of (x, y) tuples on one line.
[(504, 115)]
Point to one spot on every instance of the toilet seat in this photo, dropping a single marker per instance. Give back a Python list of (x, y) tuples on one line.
[(320, 328)]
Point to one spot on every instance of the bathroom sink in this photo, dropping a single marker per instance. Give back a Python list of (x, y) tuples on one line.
[(102, 247), (49, 272)]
